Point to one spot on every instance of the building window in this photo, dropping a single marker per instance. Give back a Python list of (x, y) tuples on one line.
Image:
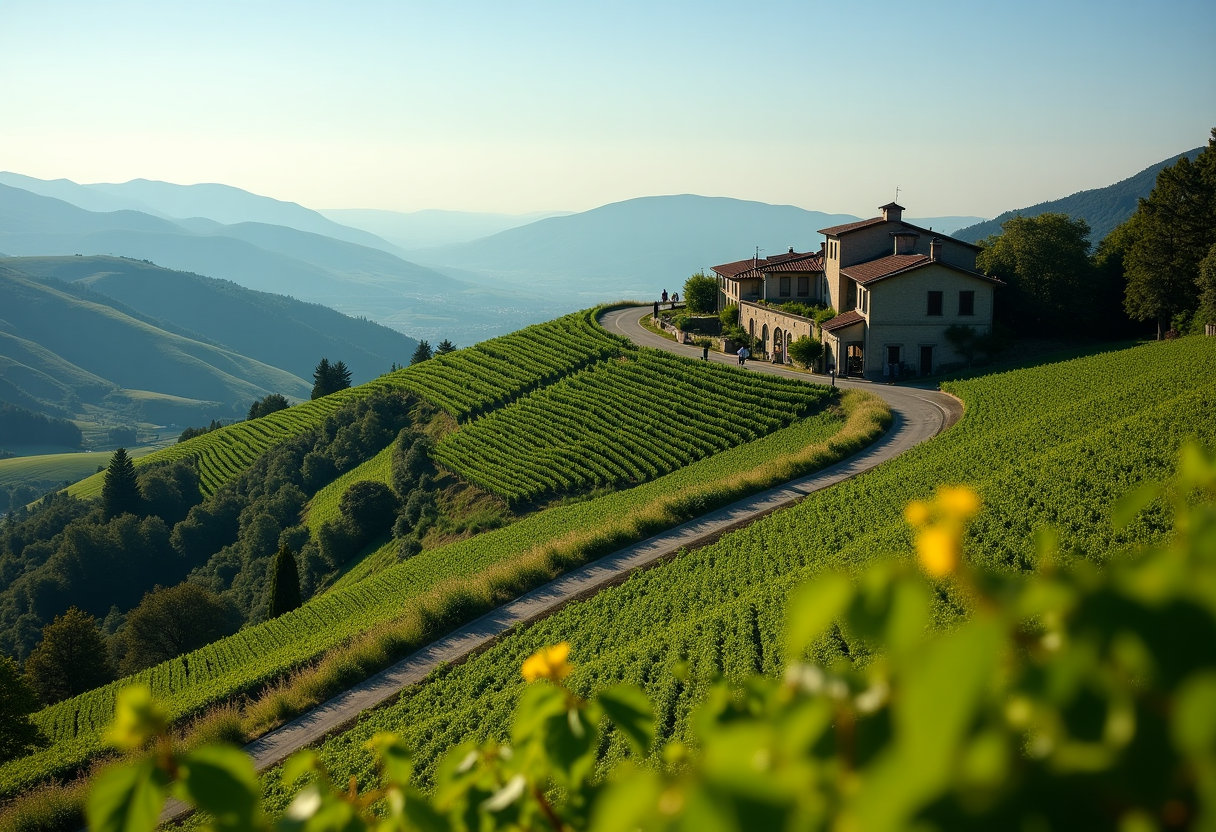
[(804, 286), (865, 301), (935, 303), (785, 287), (966, 303)]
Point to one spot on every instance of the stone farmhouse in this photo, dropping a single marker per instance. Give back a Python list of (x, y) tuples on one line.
[(897, 288)]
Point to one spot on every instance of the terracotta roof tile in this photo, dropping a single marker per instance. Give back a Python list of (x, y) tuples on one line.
[(883, 266), (734, 269), (842, 320), (837, 230), (808, 261)]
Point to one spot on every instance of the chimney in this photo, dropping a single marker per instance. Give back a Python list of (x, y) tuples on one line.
[(791, 249), (935, 248), (892, 212)]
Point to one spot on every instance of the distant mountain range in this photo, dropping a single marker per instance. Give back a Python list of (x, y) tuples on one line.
[(426, 229), (351, 278), (176, 347), (1103, 208), (634, 248)]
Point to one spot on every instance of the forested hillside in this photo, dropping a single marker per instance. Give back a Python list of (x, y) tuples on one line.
[(1102, 208)]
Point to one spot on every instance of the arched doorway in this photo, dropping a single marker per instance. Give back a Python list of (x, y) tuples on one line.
[(764, 340), (751, 327), (778, 346)]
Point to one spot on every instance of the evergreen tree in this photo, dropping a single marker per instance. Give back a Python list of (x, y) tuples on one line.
[(1207, 287), (321, 379), (270, 404), (284, 583), (423, 353), (120, 492), (1170, 235), (445, 347), (341, 377), (17, 701), (71, 658)]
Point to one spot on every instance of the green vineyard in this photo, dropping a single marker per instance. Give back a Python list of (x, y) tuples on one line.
[(1049, 446), (471, 381), (465, 382), (265, 652), (621, 422)]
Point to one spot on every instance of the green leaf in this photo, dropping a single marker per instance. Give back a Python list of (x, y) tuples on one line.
[(221, 781), (1128, 506), (627, 804), (393, 757), (1194, 724), (908, 617), (537, 704), (298, 765), (127, 798), (631, 713), (812, 609)]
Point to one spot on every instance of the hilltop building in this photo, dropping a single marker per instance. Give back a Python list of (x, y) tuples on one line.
[(897, 288)]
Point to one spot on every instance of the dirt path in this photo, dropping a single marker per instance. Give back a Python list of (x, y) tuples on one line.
[(919, 415)]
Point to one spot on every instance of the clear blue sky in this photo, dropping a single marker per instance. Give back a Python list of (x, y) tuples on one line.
[(971, 108)]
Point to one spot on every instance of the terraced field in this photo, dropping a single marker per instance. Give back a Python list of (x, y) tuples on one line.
[(464, 382), (1054, 445), (621, 422)]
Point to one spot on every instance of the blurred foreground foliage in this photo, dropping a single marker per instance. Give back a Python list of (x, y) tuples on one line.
[(1071, 697)]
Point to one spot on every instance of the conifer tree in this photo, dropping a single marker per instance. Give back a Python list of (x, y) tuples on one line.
[(445, 347), (423, 353), (321, 379), (120, 492), (18, 734), (71, 658), (340, 378), (284, 583)]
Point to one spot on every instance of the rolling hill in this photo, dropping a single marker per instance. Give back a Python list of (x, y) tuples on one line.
[(59, 328), (1102, 208), (222, 204), (425, 229), (351, 278), (274, 329)]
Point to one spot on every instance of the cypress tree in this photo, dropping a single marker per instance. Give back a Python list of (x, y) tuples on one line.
[(423, 353), (284, 583), (120, 492)]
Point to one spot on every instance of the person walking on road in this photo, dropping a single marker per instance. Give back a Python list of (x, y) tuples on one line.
[(744, 353), (664, 296)]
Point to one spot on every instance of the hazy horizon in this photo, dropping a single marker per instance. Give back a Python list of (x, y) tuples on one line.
[(540, 107)]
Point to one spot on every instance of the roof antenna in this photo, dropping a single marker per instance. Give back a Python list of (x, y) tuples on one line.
[(896, 194)]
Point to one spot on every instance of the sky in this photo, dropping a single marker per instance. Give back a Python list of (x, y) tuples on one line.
[(969, 108)]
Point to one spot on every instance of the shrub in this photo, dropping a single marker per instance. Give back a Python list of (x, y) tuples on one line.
[(729, 316), (806, 351), (701, 293)]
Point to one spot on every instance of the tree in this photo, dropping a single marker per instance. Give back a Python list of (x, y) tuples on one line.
[(329, 378), (18, 735), (964, 340), (70, 659), (264, 407), (1044, 262), (701, 293), (1207, 287), (341, 377), (423, 353), (1169, 237), (321, 379), (368, 504), (120, 492), (284, 583), (171, 621), (806, 351), (445, 347), (729, 316)]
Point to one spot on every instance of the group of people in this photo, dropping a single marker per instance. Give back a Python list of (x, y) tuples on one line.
[(674, 299)]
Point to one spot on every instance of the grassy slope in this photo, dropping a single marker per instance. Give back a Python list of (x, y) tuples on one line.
[(548, 543), (55, 467), (324, 504), (1054, 445)]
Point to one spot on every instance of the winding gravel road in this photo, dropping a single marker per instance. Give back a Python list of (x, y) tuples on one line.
[(920, 414)]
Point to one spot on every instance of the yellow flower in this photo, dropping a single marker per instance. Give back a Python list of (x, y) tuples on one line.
[(939, 550), (958, 501), (917, 513), (548, 663)]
